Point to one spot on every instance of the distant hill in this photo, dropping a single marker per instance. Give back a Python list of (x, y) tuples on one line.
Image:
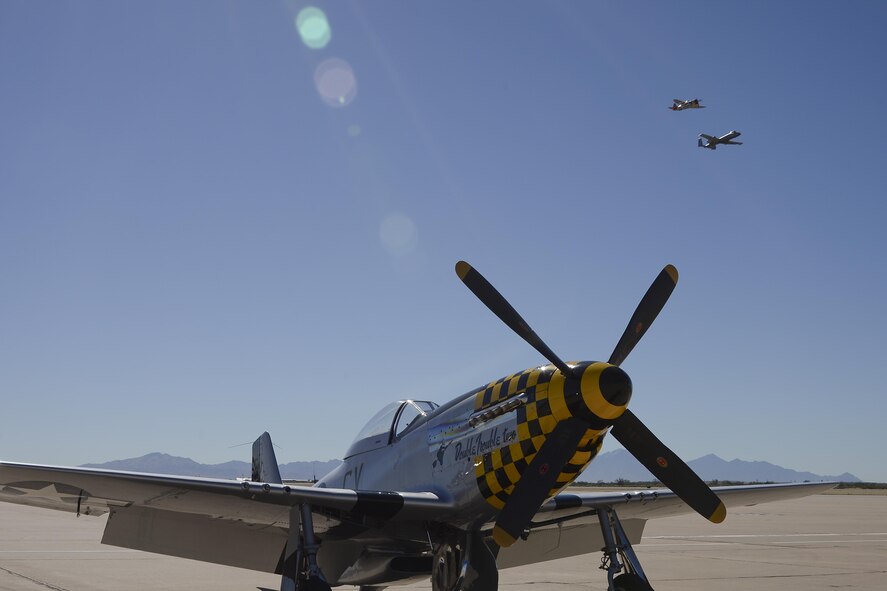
[(607, 467), (616, 464), (158, 463)]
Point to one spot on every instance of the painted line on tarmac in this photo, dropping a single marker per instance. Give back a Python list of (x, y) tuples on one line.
[(769, 539), (800, 543), (68, 551), (716, 536)]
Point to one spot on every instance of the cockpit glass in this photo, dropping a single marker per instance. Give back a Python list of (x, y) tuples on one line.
[(408, 415), (425, 405), (380, 424)]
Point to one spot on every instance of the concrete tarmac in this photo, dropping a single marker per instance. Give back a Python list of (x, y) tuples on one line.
[(818, 543)]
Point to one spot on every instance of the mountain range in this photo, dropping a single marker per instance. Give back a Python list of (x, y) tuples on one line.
[(159, 463), (607, 467), (619, 464)]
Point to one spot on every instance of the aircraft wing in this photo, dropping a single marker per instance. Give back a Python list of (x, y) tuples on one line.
[(90, 491), (567, 525), (661, 502), (231, 522), (245, 524)]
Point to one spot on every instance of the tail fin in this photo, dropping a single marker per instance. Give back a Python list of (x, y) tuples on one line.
[(701, 143), (264, 461)]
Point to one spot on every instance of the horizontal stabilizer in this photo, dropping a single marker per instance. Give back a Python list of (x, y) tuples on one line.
[(264, 461)]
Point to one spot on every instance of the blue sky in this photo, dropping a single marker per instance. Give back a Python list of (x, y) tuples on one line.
[(208, 229)]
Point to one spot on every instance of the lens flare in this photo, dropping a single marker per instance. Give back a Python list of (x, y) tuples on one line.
[(335, 82), (313, 27), (398, 234)]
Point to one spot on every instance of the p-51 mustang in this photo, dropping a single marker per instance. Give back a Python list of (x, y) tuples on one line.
[(711, 142), (680, 105), (452, 492)]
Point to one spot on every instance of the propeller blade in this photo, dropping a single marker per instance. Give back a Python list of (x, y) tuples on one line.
[(537, 481), (499, 306), (646, 312), (667, 467)]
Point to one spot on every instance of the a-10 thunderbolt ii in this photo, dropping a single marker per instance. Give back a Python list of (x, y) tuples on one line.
[(711, 142), (680, 105), (452, 492)]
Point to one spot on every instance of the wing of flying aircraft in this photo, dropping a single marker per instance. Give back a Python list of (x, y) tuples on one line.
[(680, 104), (711, 142)]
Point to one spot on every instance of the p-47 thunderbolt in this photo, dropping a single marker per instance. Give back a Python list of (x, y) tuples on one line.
[(711, 142), (680, 105), (450, 492)]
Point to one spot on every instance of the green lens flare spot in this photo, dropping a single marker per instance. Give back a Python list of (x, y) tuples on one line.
[(313, 27)]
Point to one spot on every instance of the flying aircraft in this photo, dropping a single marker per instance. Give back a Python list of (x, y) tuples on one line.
[(450, 492), (680, 105), (711, 142)]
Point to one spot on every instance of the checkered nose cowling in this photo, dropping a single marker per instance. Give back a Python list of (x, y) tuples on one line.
[(559, 426), (595, 393)]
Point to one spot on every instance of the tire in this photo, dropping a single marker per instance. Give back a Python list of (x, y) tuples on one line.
[(631, 582), (315, 584)]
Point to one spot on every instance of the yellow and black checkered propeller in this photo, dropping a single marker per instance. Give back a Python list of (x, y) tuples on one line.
[(540, 475)]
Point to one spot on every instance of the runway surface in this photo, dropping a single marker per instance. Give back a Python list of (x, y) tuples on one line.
[(824, 542)]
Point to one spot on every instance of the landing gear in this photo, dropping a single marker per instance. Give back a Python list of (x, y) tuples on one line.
[(618, 547), (463, 562), (300, 569), (630, 582)]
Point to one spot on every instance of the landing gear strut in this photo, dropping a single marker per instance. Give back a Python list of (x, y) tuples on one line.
[(463, 562), (618, 547), (300, 569)]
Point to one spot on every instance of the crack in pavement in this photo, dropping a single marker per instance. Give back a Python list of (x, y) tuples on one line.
[(35, 581)]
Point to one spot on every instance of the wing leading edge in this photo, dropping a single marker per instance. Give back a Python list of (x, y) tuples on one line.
[(654, 503), (91, 491)]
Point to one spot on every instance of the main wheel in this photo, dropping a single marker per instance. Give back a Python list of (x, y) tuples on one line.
[(316, 584), (631, 582)]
